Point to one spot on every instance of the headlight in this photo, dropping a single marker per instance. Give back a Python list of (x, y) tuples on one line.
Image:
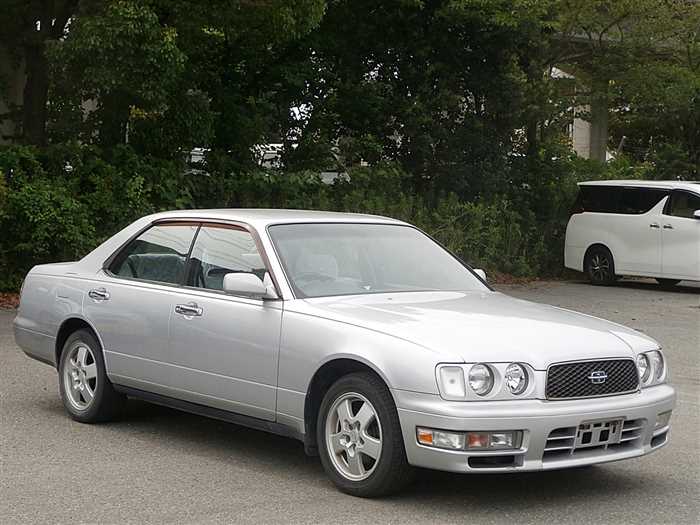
[(657, 364), (643, 367), (452, 382), (480, 379), (516, 378)]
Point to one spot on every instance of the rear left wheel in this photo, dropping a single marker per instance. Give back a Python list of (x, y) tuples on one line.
[(359, 437), (86, 392), (600, 266)]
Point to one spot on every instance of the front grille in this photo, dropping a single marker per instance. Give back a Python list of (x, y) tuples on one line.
[(561, 442), (591, 378)]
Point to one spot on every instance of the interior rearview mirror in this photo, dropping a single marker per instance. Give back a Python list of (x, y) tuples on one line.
[(481, 273), (247, 285)]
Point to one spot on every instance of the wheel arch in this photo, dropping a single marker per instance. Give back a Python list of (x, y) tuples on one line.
[(593, 246), (69, 326), (327, 374)]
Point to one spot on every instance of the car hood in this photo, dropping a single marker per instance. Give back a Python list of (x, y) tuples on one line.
[(485, 326)]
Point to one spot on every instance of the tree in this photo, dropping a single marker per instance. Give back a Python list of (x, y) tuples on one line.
[(176, 74), (27, 27)]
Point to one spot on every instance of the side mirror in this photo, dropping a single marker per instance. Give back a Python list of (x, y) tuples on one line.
[(696, 214), (247, 285), (481, 273)]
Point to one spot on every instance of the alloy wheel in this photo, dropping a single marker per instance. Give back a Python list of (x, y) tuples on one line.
[(353, 436), (80, 376), (600, 267)]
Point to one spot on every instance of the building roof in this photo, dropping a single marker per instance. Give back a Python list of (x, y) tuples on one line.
[(631, 183)]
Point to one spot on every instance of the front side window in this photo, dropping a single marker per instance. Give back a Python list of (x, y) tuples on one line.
[(348, 259), (683, 204), (222, 249), (158, 254)]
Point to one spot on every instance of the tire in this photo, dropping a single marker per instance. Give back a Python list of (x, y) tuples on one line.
[(600, 266), (667, 283), (384, 467), (86, 392)]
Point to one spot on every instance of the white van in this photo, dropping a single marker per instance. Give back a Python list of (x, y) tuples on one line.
[(632, 227)]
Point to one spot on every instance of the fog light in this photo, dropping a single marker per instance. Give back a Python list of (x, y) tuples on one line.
[(501, 440), (662, 420), (440, 438), (493, 440)]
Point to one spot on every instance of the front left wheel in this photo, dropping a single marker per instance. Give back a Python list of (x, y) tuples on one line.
[(359, 437), (86, 392)]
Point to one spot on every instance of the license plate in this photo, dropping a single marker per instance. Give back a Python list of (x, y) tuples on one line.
[(598, 433)]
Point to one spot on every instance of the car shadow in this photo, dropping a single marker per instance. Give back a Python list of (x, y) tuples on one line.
[(684, 287), (285, 458)]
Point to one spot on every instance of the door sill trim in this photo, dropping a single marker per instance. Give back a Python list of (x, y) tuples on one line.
[(211, 412)]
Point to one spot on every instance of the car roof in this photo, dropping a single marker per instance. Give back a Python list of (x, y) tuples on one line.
[(260, 218), (631, 183)]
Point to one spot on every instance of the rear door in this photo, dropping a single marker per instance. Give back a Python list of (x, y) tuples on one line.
[(130, 304), (636, 244), (223, 349), (681, 236)]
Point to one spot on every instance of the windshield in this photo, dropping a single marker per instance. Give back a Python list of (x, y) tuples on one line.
[(347, 259)]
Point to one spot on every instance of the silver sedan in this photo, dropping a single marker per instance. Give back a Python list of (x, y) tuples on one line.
[(358, 335)]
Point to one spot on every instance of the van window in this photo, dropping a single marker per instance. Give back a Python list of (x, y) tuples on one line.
[(635, 201), (617, 199), (683, 204)]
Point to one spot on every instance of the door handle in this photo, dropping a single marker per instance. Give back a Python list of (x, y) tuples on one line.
[(188, 310), (668, 227), (654, 225), (99, 294)]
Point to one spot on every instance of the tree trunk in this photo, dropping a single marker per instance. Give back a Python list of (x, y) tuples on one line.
[(36, 91)]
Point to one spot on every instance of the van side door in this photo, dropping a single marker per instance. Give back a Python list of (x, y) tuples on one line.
[(681, 236)]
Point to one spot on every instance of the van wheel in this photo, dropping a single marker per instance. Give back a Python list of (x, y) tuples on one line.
[(87, 393), (667, 283), (600, 266), (359, 437)]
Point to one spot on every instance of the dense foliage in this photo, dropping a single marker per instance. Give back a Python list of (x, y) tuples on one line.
[(451, 114)]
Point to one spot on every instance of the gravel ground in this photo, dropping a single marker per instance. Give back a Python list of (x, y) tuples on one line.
[(158, 465)]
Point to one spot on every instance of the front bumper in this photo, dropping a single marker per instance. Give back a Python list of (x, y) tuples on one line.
[(539, 420)]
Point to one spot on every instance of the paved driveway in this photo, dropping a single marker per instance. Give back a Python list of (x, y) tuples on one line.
[(159, 465)]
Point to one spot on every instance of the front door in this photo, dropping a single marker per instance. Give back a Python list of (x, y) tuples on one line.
[(681, 236), (223, 349)]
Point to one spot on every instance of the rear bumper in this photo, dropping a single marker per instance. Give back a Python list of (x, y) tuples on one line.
[(573, 257), (35, 344), (537, 420)]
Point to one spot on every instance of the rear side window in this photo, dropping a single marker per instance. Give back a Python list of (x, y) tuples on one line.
[(158, 254), (219, 250), (616, 199), (683, 204)]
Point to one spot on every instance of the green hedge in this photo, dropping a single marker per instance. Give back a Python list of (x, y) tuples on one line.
[(57, 204)]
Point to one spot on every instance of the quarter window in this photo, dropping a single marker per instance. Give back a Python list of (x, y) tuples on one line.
[(223, 249), (158, 254), (683, 204), (617, 199)]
